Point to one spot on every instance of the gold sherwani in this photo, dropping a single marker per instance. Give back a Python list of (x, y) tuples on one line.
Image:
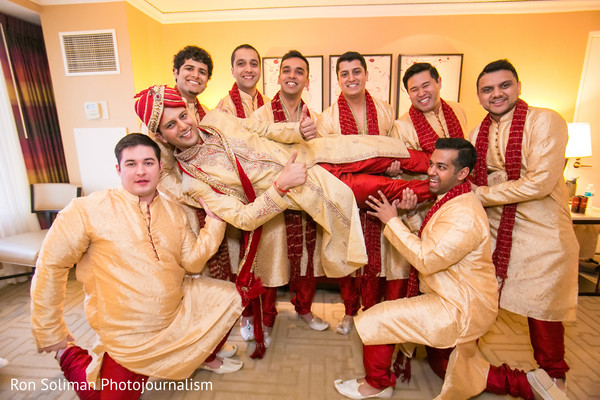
[(249, 103), (329, 201), (329, 124), (132, 259), (542, 271), (460, 298), (276, 266)]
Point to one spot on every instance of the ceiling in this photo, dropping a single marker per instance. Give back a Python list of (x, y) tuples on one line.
[(180, 11)]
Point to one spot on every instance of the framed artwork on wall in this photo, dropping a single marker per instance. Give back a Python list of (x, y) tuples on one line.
[(379, 67), (312, 95), (448, 65)]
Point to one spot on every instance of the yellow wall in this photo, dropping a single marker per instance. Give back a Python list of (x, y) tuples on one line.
[(548, 51), (72, 92)]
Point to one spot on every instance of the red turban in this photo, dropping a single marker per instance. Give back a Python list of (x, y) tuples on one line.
[(149, 104)]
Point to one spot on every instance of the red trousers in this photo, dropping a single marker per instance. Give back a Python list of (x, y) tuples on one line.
[(304, 295), (359, 176), (378, 360), (268, 300), (547, 340), (119, 383)]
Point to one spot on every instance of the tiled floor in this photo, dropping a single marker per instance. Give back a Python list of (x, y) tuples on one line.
[(300, 364)]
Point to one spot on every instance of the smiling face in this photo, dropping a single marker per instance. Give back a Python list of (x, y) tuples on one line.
[(424, 91), (293, 77), (139, 170), (498, 92), (352, 78), (191, 78), (178, 128), (246, 69), (442, 171)]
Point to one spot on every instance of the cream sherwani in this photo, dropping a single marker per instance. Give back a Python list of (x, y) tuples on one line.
[(542, 271), (329, 201), (329, 124), (274, 264), (249, 103), (459, 301), (132, 259)]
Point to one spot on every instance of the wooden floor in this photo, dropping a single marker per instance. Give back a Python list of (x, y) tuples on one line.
[(300, 364)]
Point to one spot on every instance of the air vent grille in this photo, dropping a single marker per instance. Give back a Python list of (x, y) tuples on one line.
[(90, 52)]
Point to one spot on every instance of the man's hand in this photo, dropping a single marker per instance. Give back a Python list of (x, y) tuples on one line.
[(293, 174), (394, 169), (308, 129), (409, 200), (383, 209), (207, 210), (58, 346)]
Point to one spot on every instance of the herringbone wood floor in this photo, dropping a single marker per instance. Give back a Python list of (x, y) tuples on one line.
[(301, 363)]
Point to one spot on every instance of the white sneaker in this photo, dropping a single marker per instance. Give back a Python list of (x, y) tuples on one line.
[(544, 386), (247, 332)]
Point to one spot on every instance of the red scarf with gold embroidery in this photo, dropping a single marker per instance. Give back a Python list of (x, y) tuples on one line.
[(278, 113), (296, 239), (234, 93), (425, 132), (371, 225), (348, 125), (512, 163)]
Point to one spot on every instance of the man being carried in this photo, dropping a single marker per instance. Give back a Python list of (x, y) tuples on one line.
[(133, 248), (452, 256), (519, 179), (301, 246)]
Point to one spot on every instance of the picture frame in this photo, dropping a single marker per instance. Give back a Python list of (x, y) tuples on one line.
[(379, 67), (312, 95), (448, 65)]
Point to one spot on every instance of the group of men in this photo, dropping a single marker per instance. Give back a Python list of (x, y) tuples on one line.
[(283, 195)]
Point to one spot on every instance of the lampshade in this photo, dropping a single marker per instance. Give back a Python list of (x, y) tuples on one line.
[(580, 140)]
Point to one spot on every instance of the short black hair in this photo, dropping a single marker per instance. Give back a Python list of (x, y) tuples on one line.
[(195, 53), (418, 68), (498, 65), (350, 56), (133, 140), (243, 46), (295, 54), (467, 155)]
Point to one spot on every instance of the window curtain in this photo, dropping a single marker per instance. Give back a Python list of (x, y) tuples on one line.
[(15, 211), (33, 106)]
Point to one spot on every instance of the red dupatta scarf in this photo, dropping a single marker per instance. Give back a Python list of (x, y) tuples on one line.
[(501, 255), (425, 132), (234, 93), (295, 236), (349, 125)]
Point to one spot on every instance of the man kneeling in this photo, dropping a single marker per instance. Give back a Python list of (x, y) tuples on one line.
[(133, 248), (452, 257)]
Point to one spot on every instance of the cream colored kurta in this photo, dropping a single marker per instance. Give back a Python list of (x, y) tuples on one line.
[(405, 131), (542, 271), (329, 120), (460, 298), (274, 263), (249, 103), (329, 201), (132, 259), (329, 124)]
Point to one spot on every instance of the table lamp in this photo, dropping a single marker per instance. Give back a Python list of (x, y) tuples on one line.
[(580, 143)]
